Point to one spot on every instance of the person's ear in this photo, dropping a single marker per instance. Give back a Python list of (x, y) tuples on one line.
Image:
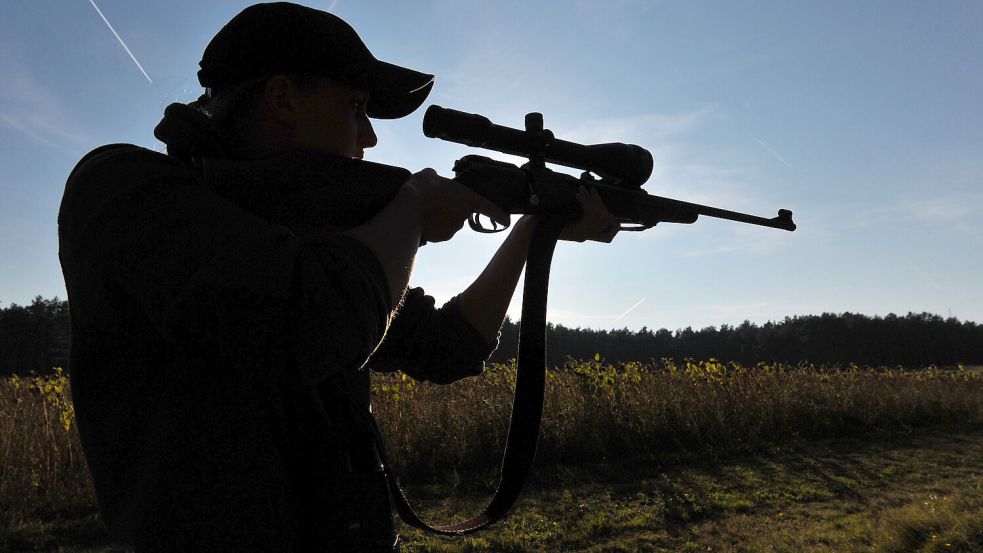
[(279, 96)]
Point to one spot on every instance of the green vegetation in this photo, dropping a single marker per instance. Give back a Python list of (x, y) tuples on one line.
[(693, 456), (920, 492), (660, 412)]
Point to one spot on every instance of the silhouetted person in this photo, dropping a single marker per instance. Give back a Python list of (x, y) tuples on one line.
[(229, 298)]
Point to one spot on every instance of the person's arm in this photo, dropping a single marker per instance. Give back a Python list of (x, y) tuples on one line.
[(429, 208), (393, 236), (452, 342), (485, 301)]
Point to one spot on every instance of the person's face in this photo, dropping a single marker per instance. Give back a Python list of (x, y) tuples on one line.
[(331, 119)]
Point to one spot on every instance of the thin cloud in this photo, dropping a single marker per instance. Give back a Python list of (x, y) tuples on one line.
[(676, 174), (935, 283), (745, 239), (132, 57), (572, 317), (28, 108), (946, 208), (629, 310), (643, 129), (774, 153), (699, 181), (947, 196), (961, 211), (25, 127)]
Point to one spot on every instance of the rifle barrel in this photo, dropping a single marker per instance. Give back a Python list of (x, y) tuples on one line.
[(782, 221), (656, 208)]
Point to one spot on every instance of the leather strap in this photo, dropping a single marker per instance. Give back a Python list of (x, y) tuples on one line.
[(527, 407)]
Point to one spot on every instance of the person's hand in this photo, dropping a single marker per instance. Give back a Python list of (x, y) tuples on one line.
[(596, 223), (446, 204)]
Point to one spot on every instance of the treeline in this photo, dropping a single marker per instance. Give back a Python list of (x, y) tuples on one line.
[(36, 338), (913, 340)]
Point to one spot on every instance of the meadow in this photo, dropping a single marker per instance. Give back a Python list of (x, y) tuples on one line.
[(634, 456)]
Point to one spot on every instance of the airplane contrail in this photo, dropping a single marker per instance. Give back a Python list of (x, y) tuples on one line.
[(108, 24), (629, 310), (774, 153)]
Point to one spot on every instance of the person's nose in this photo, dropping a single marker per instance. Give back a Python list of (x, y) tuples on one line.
[(366, 136)]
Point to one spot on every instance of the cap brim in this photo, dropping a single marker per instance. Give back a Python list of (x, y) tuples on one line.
[(395, 91)]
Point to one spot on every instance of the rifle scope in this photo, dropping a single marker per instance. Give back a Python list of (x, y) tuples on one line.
[(628, 165)]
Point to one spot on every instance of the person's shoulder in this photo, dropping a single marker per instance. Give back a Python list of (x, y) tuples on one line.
[(110, 171), (124, 161)]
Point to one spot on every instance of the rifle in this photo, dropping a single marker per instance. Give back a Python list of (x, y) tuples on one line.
[(620, 171)]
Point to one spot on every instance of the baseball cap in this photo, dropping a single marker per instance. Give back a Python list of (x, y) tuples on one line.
[(282, 37)]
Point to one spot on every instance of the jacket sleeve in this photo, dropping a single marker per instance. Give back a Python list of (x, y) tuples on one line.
[(210, 277), (432, 344)]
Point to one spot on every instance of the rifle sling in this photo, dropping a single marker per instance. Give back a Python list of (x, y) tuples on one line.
[(527, 407)]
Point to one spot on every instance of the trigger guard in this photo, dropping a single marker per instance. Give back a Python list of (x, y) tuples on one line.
[(635, 227), (476, 225)]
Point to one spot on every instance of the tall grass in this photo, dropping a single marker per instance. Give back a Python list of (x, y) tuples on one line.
[(658, 411), (593, 412), (42, 470)]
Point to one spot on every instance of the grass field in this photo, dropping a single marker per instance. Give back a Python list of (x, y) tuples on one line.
[(892, 493), (695, 456)]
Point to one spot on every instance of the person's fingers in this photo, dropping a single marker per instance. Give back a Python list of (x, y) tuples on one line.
[(486, 207), (608, 234), (591, 203), (612, 226), (596, 222), (598, 204)]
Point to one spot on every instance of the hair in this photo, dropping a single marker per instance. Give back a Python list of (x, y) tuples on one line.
[(231, 109)]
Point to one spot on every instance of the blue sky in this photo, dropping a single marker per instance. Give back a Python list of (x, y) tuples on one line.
[(864, 118)]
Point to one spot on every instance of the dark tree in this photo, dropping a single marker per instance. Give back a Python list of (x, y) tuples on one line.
[(34, 338), (914, 340)]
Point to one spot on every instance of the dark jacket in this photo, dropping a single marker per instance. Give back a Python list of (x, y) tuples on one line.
[(220, 336)]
